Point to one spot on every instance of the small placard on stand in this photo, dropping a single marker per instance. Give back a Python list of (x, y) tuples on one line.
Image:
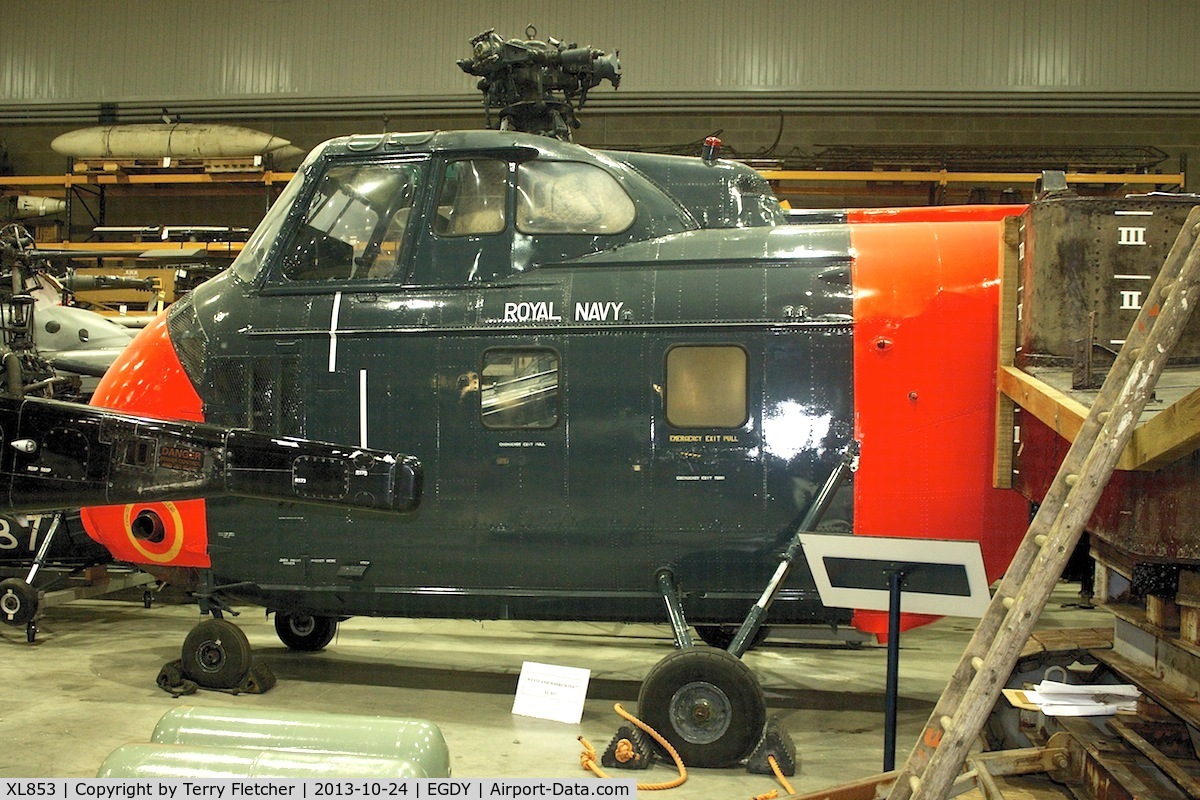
[(934, 576), (547, 691)]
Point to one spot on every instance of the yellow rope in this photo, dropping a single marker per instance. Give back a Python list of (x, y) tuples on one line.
[(624, 753), (588, 758), (779, 775)]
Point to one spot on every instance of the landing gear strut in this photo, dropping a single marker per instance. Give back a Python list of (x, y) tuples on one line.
[(706, 702), (744, 639), (18, 598)]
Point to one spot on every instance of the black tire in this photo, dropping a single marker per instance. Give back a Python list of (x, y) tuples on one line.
[(18, 601), (216, 654), (306, 632), (721, 636), (706, 703)]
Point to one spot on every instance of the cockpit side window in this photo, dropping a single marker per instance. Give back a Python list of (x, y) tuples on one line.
[(570, 197), (472, 199), (355, 225)]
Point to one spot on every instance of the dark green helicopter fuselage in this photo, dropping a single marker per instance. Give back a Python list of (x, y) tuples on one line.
[(606, 364)]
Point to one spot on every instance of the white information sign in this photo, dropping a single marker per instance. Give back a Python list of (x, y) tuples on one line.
[(547, 691)]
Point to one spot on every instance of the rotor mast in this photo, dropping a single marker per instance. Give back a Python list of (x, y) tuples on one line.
[(535, 86)]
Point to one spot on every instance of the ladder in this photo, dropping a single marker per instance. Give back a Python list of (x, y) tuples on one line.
[(975, 685)]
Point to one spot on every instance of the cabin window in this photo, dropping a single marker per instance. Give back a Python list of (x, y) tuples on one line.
[(518, 388), (570, 197), (706, 386), (355, 225), (472, 198)]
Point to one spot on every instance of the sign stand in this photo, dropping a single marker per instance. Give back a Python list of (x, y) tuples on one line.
[(895, 584), (939, 576)]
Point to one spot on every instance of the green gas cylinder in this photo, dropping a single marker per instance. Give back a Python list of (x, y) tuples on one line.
[(410, 740), (199, 761)]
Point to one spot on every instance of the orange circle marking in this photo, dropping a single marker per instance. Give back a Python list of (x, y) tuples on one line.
[(176, 530)]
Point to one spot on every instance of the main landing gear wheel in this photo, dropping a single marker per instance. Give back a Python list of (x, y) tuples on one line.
[(305, 632), (216, 654), (18, 602), (706, 703)]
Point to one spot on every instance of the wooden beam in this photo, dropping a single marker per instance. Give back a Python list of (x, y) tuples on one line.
[(125, 248), (1002, 452), (1063, 413), (267, 177), (1169, 435)]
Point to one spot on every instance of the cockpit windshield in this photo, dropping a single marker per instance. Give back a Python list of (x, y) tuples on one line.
[(249, 262), (355, 224)]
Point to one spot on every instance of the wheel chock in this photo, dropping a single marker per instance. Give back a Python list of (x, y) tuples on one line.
[(775, 742), (259, 679), (631, 748), (172, 678)]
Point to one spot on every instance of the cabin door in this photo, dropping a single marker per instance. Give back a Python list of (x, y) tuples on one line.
[(502, 446), (708, 473)]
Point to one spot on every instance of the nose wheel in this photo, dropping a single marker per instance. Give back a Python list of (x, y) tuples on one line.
[(707, 704), (18, 602), (19, 606)]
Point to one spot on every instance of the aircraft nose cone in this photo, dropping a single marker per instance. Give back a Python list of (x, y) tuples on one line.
[(148, 379)]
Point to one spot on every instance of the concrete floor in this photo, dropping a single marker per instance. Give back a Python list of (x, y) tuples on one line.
[(87, 686)]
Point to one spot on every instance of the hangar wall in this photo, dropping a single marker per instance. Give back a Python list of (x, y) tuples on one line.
[(805, 72), (58, 57)]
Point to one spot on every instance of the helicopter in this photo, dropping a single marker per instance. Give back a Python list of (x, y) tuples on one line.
[(622, 398), (619, 384)]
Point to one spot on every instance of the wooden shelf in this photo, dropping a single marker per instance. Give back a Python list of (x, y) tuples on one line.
[(263, 178), (945, 177), (1168, 430), (148, 183), (123, 248)]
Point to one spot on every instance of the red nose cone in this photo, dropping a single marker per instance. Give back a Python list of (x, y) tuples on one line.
[(148, 380)]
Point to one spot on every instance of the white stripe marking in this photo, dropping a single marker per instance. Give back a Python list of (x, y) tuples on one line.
[(1132, 277), (362, 408), (1134, 213), (333, 323)]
